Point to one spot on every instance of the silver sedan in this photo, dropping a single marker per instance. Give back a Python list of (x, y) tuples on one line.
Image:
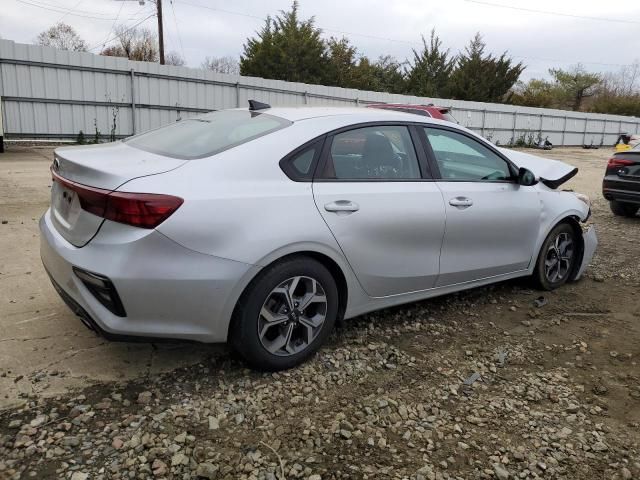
[(264, 226)]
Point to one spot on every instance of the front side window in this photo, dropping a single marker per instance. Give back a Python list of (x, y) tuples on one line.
[(207, 134), (373, 153), (462, 158)]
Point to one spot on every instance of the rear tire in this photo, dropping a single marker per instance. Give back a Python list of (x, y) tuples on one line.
[(285, 315), (623, 209), (557, 258)]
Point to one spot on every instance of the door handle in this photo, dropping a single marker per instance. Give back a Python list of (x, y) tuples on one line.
[(462, 202), (342, 206)]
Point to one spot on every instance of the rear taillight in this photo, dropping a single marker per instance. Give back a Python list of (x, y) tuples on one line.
[(619, 162), (144, 210)]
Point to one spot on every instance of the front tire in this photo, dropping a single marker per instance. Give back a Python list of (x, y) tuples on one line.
[(557, 257), (623, 209), (285, 315)]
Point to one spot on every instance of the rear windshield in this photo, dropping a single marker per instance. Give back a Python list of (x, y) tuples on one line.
[(207, 134)]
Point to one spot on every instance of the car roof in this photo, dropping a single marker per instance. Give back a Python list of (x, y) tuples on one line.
[(294, 114)]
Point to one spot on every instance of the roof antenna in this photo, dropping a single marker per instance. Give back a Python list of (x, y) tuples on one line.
[(256, 105)]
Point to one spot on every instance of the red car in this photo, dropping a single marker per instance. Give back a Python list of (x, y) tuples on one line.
[(430, 110)]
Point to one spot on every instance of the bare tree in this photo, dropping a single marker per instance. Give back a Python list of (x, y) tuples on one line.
[(228, 64), (174, 58), (63, 37), (135, 44)]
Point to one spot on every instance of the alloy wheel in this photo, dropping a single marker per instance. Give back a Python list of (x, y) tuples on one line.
[(292, 316), (559, 258)]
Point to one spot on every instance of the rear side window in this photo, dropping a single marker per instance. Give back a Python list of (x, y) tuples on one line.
[(373, 153), (300, 164), (208, 134)]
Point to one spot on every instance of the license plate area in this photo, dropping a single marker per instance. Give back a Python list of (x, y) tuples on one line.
[(66, 205)]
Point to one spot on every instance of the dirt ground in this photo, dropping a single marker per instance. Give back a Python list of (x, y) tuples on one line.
[(481, 384)]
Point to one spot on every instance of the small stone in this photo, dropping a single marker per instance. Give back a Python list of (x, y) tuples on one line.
[(79, 476), (179, 459), (501, 472), (214, 423), (38, 421), (207, 470), (315, 476), (345, 433), (117, 443), (626, 474), (144, 398), (159, 467)]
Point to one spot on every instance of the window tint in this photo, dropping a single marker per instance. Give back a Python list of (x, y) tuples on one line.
[(302, 162), (383, 152), (207, 134), (462, 158)]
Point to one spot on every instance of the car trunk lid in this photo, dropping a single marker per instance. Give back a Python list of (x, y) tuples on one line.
[(83, 174)]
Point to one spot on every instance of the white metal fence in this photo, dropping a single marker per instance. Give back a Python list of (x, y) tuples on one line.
[(54, 94)]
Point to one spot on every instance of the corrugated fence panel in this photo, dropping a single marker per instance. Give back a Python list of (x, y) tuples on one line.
[(51, 93)]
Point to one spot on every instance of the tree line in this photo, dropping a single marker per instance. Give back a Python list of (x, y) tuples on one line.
[(293, 49)]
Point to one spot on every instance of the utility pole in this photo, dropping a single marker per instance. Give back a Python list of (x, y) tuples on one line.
[(160, 31)]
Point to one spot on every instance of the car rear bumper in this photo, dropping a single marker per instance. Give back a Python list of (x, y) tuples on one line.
[(621, 190), (590, 244), (167, 290)]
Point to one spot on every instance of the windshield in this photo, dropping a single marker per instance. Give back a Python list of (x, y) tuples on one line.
[(207, 134)]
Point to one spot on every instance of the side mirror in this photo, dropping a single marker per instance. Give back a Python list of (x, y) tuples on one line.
[(526, 177)]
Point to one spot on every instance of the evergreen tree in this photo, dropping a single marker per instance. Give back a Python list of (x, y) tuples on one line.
[(431, 70), (287, 48), (482, 77)]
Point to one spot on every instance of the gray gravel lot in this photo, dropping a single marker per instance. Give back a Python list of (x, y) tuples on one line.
[(481, 384)]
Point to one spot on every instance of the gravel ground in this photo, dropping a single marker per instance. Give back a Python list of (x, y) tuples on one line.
[(481, 384)]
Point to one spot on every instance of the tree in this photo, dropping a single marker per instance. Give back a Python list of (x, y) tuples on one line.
[(175, 59), (575, 85), (535, 93), (63, 37), (348, 69), (286, 48), (430, 72), (342, 62), (482, 77), (227, 64), (138, 44)]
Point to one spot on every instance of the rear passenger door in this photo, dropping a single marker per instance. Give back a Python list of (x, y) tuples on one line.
[(374, 192)]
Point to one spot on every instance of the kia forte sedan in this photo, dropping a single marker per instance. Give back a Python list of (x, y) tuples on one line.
[(264, 226)]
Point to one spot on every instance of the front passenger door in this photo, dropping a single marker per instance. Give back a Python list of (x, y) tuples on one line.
[(492, 222)]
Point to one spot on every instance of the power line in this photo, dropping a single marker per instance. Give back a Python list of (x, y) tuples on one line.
[(57, 9), (342, 32), (547, 12), (124, 31), (175, 21), (74, 8), (112, 25)]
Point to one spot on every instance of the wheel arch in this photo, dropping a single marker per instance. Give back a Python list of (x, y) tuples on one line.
[(335, 266), (572, 219)]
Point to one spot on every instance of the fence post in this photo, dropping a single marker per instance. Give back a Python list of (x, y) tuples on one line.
[(133, 101), (564, 129), (306, 98), (357, 102), (540, 129), (484, 116), (238, 94), (584, 134), (515, 121), (604, 131)]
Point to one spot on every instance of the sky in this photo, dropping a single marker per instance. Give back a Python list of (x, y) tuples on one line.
[(603, 36)]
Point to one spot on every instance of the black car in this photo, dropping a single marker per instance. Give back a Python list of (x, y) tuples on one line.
[(621, 184)]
